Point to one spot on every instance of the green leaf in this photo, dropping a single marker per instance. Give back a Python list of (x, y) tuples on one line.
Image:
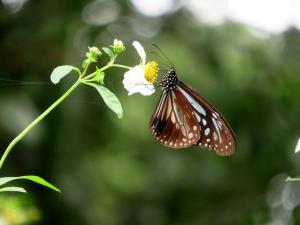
[(109, 52), (60, 72), (40, 181), (4, 180), (110, 99), (36, 179), (13, 189)]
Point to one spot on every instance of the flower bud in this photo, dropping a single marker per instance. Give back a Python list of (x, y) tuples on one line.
[(99, 77), (118, 46), (93, 53)]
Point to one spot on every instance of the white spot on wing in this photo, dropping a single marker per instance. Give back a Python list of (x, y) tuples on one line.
[(195, 104), (198, 117), (215, 136), (183, 130), (169, 108), (206, 131), (219, 123), (217, 128), (173, 119)]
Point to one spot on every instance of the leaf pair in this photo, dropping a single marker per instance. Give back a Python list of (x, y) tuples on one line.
[(109, 98)]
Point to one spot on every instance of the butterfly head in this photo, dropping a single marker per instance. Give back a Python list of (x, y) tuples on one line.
[(170, 80)]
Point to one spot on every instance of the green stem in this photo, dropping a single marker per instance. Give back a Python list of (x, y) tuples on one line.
[(85, 69), (105, 68), (36, 121)]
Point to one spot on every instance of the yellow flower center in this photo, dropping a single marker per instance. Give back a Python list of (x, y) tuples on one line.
[(151, 69)]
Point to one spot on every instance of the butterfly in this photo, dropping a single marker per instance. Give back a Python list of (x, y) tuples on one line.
[(183, 118)]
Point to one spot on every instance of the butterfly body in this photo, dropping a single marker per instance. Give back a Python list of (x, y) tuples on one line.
[(170, 80), (183, 118)]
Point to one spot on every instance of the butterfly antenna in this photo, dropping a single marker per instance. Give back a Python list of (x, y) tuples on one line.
[(164, 54), (7, 82), (163, 58), (156, 84)]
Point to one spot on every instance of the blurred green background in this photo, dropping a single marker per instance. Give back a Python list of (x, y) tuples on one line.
[(112, 172)]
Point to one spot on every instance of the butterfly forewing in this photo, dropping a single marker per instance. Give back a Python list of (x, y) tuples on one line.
[(174, 124), (216, 134)]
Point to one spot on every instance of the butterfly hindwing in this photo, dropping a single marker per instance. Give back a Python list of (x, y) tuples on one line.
[(216, 133)]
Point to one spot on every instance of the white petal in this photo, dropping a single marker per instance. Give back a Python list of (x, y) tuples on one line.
[(147, 89), (297, 149), (135, 82), (140, 50), (118, 42), (132, 77)]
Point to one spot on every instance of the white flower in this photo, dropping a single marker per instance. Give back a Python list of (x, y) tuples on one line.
[(297, 149), (140, 78)]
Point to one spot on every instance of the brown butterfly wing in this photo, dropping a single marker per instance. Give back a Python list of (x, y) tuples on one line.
[(216, 133), (174, 123)]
